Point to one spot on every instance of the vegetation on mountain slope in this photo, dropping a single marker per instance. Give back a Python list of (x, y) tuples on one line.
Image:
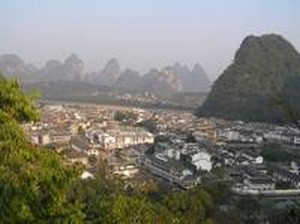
[(249, 88)]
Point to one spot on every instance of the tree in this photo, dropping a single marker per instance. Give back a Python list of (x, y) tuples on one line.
[(191, 138), (108, 201), (150, 125), (34, 183), (80, 130), (125, 116), (14, 104), (93, 160), (276, 153), (193, 206)]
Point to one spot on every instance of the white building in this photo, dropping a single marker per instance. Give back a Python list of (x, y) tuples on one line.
[(134, 136), (277, 137), (83, 144), (260, 184), (86, 175), (254, 159), (297, 140), (41, 139), (92, 152), (107, 141), (229, 135), (197, 156), (202, 161)]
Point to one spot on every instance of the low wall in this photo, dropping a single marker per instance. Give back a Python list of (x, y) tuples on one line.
[(287, 192)]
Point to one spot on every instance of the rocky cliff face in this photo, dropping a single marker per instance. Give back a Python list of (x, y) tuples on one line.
[(249, 87)]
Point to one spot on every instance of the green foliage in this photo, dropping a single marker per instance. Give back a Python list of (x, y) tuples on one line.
[(34, 183), (283, 185), (125, 116), (80, 130), (128, 209), (220, 172), (275, 153), (249, 86), (109, 200), (219, 191), (93, 160), (150, 125), (193, 206), (288, 100), (15, 104), (290, 215), (228, 217), (191, 138)]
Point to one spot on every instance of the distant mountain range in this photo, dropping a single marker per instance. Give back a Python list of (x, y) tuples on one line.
[(261, 84), (169, 80), (13, 66)]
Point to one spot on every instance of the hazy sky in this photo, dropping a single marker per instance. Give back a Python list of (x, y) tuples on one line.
[(142, 33)]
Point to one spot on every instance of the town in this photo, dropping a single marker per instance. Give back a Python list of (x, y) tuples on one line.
[(173, 146)]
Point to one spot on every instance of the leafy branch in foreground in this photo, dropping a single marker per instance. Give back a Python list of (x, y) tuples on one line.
[(34, 183)]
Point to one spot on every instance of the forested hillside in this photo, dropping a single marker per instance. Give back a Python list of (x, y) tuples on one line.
[(250, 87)]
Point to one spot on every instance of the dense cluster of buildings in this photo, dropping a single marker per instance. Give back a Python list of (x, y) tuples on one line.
[(184, 150), (178, 161), (258, 133), (108, 141)]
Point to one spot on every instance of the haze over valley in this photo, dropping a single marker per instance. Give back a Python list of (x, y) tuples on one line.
[(143, 112)]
